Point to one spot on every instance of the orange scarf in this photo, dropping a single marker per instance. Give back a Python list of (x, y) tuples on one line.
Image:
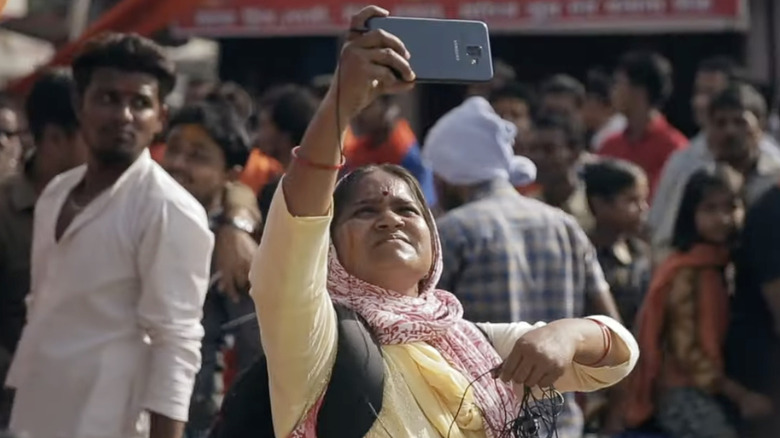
[(708, 259)]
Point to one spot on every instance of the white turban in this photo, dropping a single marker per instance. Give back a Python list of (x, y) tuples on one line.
[(471, 144)]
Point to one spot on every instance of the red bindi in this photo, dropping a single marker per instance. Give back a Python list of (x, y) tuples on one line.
[(385, 192)]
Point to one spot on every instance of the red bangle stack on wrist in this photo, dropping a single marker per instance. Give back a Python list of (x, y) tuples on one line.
[(306, 162), (607, 333)]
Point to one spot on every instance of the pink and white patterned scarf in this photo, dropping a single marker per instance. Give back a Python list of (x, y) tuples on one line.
[(434, 316)]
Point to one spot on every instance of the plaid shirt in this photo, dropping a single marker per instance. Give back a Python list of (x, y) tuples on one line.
[(511, 258)]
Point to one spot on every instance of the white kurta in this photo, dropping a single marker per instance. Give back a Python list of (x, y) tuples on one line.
[(114, 323)]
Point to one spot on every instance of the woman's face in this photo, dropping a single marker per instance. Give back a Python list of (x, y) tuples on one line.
[(381, 236), (718, 216)]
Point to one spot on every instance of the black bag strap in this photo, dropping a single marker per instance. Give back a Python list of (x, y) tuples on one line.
[(352, 399), (354, 395), (246, 408)]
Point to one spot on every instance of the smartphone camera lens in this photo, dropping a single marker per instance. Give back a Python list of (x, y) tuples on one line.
[(475, 53)]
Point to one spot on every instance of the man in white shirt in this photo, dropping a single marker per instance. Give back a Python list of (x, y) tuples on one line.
[(120, 266)]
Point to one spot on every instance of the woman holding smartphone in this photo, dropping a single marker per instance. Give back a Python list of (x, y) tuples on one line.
[(369, 243)]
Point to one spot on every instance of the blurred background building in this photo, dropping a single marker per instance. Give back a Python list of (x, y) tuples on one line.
[(258, 43)]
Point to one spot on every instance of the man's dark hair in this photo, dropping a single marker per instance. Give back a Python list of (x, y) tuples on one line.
[(50, 102), (721, 64), (741, 97), (127, 52), (564, 84), (598, 86), (236, 96), (607, 177), (291, 108), (220, 120), (572, 130), (651, 72), (514, 90)]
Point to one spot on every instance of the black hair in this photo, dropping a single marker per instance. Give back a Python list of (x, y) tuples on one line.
[(236, 96), (572, 130), (598, 86), (651, 72), (564, 84), (608, 177), (699, 185), (720, 64), (291, 108), (514, 90), (345, 190), (50, 102), (223, 125), (741, 97), (127, 52)]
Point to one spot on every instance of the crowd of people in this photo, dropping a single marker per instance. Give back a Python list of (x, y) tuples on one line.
[(134, 294)]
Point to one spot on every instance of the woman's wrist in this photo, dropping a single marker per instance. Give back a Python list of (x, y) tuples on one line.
[(308, 191), (334, 104), (606, 334), (592, 340)]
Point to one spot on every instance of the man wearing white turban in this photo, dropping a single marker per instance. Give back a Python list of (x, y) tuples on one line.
[(507, 257), (471, 144)]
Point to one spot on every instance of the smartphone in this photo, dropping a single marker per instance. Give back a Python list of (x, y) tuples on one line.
[(443, 51)]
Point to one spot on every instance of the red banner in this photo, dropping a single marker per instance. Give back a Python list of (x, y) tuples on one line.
[(313, 17)]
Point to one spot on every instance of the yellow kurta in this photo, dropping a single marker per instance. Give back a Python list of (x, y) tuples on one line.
[(299, 335)]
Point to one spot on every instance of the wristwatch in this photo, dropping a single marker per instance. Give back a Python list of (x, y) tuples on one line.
[(239, 222)]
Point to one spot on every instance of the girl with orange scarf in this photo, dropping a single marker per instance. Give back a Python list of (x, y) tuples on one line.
[(683, 320)]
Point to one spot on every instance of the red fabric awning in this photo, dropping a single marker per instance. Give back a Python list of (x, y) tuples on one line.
[(317, 17), (143, 17)]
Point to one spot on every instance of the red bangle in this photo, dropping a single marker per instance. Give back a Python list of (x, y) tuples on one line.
[(307, 162), (607, 333)]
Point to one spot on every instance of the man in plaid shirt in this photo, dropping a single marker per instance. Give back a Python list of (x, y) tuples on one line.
[(507, 257)]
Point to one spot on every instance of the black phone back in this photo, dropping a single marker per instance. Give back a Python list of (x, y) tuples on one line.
[(443, 51)]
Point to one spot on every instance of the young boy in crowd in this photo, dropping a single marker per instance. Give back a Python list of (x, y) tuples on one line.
[(617, 196)]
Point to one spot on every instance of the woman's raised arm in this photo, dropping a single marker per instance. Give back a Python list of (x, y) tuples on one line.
[(366, 70), (289, 270)]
